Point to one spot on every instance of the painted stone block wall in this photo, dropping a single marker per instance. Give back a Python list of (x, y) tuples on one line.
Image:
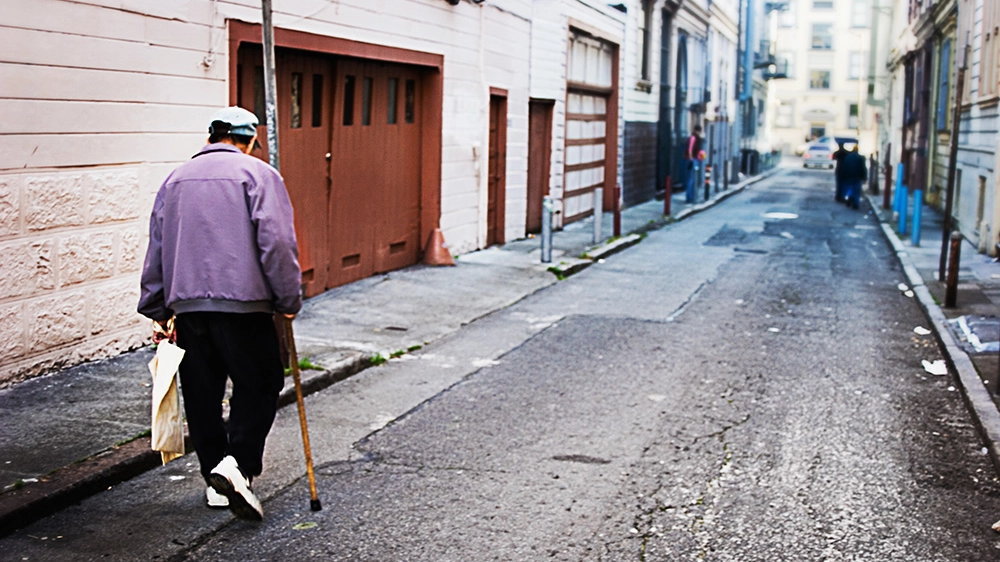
[(71, 244)]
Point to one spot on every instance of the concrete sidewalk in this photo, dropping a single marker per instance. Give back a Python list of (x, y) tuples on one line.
[(973, 360), (73, 433)]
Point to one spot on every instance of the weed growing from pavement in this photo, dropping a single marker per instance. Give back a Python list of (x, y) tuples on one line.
[(397, 354), (147, 433), (557, 272), (306, 364), (413, 348), (377, 359)]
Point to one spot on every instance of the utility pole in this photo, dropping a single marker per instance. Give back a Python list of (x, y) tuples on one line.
[(270, 87), (952, 162)]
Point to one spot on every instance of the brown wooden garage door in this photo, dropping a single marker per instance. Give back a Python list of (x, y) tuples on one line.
[(375, 204), (350, 155)]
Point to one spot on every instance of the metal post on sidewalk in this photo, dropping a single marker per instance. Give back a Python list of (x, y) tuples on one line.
[(918, 203), (617, 225), (598, 213), (668, 192), (546, 229), (951, 284), (949, 197), (887, 169), (708, 181), (904, 207)]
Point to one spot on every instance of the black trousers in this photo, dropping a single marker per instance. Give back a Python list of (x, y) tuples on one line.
[(241, 347)]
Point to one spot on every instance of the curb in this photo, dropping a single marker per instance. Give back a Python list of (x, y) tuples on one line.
[(82, 479), (977, 398)]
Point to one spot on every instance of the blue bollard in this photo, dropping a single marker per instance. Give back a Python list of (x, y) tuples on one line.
[(902, 198), (918, 203), (904, 204)]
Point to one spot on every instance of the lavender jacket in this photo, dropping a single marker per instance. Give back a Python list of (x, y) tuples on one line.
[(221, 239)]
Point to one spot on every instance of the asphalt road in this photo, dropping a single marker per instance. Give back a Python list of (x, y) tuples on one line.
[(778, 411), (744, 385)]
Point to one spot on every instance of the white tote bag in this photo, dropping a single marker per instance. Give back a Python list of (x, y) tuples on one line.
[(168, 424)]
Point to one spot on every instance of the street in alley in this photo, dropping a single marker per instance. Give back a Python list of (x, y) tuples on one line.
[(742, 385)]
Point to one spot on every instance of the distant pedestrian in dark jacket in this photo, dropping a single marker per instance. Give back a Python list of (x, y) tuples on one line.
[(223, 258), (838, 157), (853, 172)]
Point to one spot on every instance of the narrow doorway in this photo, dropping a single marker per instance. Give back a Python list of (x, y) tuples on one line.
[(497, 188), (539, 158)]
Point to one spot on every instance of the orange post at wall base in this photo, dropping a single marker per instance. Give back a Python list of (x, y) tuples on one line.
[(436, 251)]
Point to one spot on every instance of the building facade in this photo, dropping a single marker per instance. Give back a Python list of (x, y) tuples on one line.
[(823, 47), (976, 207), (393, 121)]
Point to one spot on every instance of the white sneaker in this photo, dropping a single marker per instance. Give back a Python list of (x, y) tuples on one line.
[(215, 499), (228, 480)]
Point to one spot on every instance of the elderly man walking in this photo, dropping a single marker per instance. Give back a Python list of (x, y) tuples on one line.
[(222, 260)]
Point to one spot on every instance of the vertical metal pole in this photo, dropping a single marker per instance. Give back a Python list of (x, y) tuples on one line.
[(887, 192), (598, 213), (904, 207), (951, 283), (898, 191), (270, 87), (918, 202), (668, 191), (546, 229), (949, 197), (708, 181), (617, 224)]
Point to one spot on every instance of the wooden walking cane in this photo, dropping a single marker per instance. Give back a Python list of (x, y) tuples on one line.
[(293, 363)]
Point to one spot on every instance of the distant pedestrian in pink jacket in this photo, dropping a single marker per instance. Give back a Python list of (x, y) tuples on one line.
[(223, 259), (693, 155)]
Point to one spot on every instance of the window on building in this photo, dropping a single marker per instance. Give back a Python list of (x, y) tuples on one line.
[(787, 16), (855, 66), (822, 4), (645, 16), (784, 116), (822, 36), (861, 13), (944, 84), (852, 116), (819, 79), (786, 62), (989, 51)]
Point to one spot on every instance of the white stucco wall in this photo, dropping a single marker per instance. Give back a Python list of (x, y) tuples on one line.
[(550, 31)]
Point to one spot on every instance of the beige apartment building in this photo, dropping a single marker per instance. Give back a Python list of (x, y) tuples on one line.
[(823, 46)]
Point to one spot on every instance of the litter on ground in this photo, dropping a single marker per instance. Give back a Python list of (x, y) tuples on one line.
[(921, 331), (936, 368)]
